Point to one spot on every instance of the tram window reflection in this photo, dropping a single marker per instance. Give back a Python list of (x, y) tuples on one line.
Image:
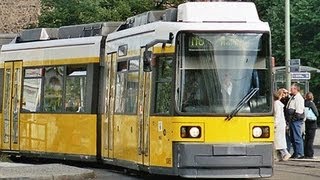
[(31, 95), (132, 87), (53, 89), (132, 92), (163, 85), (76, 89), (120, 87), (32, 90), (127, 85)]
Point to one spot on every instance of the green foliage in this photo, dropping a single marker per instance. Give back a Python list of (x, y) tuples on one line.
[(122, 9), (56, 13), (305, 32)]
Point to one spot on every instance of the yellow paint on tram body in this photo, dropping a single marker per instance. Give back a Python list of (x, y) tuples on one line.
[(126, 137), (215, 130), (58, 133), (167, 49), (50, 62)]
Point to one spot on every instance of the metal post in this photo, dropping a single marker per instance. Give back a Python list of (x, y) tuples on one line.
[(287, 43)]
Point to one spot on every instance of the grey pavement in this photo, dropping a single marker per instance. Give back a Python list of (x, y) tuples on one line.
[(316, 145), (10, 170), (43, 171), (317, 139)]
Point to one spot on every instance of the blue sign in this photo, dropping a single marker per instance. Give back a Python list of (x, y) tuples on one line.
[(300, 75)]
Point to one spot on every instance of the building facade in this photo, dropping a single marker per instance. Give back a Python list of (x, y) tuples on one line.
[(18, 14)]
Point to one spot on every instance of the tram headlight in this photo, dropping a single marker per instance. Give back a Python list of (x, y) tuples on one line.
[(256, 132), (261, 131), (194, 132), (190, 131)]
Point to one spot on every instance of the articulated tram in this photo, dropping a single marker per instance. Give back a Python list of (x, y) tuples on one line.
[(184, 91)]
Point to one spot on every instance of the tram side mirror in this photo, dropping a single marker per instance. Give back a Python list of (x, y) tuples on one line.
[(147, 58)]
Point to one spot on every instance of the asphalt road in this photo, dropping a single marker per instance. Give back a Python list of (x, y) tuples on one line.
[(291, 170)]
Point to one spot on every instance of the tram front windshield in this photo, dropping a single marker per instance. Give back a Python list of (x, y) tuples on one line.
[(217, 70)]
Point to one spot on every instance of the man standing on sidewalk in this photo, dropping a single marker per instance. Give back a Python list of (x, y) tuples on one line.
[(295, 112)]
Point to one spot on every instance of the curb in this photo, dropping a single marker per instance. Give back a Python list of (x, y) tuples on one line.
[(306, 160), (300, 163)]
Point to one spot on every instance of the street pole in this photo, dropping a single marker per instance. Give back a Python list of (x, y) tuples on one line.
[(287, 43)]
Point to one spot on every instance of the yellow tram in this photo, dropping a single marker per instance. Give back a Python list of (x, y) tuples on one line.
[(184, 91)]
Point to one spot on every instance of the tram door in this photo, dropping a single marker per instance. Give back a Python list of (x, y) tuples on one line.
[(110, 92), (11, 105), (143, 115)]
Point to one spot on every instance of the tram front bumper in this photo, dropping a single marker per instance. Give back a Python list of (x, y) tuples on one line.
[(223, 160)]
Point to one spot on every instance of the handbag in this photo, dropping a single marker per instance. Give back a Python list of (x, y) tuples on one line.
[(310, 114)]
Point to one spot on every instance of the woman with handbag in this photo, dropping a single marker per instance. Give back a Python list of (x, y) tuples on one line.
[(311, 113)]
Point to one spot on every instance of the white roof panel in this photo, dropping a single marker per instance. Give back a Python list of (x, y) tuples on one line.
[(218, 12), (52, 49)]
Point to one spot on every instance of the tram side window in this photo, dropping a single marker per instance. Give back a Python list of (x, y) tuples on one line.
[(53, 89), (32, 88), (76, 88), (1, 88), (163, 85), (132, 87), (127, 84), (120, 87)]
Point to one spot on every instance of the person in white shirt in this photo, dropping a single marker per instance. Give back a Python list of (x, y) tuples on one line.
[(226, 91), (227, 84), (280, 142), (295, 113)]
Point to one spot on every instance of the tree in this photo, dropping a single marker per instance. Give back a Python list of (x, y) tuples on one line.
[(56, 13), (305, 32)]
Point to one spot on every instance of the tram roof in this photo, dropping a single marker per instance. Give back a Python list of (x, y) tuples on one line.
[(218, 12), (194, 16), (161, 29), (76, 47), (51, 43)]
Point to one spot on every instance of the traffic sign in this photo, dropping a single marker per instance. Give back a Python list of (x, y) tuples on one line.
[(294, 62), (300, 75), (294, 65)]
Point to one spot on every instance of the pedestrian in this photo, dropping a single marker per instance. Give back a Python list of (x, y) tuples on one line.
[(312, 113), (295, 113), (280, 143), (285, 99)]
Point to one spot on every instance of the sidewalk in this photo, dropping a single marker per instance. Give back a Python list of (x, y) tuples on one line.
[(316, 145), (317, 139), (43, 172)]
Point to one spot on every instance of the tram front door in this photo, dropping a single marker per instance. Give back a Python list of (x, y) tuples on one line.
[(11, 105)]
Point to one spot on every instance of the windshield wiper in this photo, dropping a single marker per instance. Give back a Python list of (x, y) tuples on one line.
[(243, 101)]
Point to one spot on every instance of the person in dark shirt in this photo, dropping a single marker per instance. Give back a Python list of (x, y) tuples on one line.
[(311, 126)]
